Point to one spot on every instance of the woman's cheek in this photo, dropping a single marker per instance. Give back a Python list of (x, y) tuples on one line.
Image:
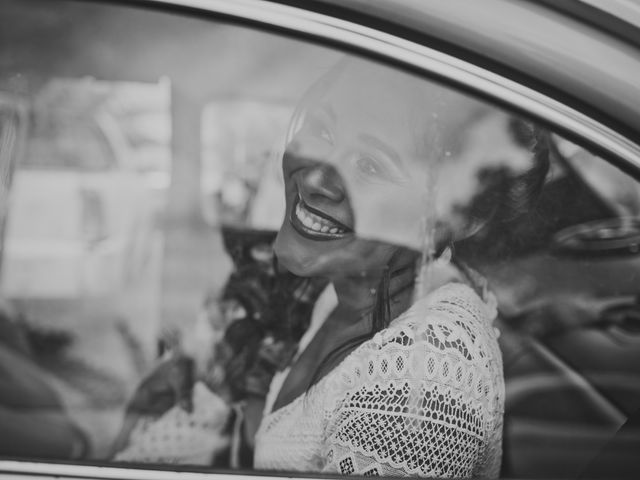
[(391, 215)]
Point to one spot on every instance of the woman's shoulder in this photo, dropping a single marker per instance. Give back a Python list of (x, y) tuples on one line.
[(446, 337), (436, 367), (454, 301), (452, 318)]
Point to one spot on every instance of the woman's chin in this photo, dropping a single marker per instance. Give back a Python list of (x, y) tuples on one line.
[(295, 254), (284, 249)]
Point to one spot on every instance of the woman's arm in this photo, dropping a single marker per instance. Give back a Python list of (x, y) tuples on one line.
[(425, 400), (401, 427)]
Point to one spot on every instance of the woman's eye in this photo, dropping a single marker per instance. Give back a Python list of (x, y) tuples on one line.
[(368, 166), (378, 169)]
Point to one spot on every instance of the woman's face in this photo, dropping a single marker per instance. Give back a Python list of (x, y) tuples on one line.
[(354, 184)]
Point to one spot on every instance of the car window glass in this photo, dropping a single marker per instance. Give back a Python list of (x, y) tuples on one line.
[(231, 249)]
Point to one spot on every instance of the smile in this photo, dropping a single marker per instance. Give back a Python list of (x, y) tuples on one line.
[(312, 224)]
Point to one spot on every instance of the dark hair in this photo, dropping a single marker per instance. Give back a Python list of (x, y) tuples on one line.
[(506, 202), (526, 188)]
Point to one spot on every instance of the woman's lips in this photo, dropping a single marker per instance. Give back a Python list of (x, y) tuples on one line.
[(314, 224)]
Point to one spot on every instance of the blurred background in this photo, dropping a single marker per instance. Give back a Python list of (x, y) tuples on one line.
[(131, 141)]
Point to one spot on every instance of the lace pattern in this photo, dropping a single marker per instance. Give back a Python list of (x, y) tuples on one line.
[(423, 397), (181, 437)]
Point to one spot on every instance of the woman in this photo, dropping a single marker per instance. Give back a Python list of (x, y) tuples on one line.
[(399, 372), (404, 376)]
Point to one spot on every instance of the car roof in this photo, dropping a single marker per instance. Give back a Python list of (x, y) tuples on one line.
[(618, 18), (585, 56), (625, 11)]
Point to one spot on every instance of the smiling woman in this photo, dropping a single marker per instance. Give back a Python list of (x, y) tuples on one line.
[(397, 380), (268, 253)]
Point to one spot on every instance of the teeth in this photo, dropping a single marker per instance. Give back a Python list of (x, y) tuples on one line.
[(315, 222)]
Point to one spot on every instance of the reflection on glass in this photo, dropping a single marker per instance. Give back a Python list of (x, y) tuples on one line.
[(261, 255), (80, 266)]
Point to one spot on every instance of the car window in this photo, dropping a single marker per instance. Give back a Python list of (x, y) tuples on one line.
[(235, 250)]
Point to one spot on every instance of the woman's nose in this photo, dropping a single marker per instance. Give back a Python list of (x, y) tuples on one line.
[(323, 179)]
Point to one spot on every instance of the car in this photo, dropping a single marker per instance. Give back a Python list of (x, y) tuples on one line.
[(566, 275)]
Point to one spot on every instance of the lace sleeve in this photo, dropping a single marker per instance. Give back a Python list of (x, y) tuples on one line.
[(424, 398)]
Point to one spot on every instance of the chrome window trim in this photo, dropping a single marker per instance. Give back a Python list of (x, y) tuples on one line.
[(397, 50), (36, 470)]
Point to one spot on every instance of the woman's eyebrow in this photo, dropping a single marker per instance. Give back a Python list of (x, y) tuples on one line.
[(380, 145)]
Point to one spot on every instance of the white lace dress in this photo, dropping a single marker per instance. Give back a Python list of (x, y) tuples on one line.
[(423, 397)]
